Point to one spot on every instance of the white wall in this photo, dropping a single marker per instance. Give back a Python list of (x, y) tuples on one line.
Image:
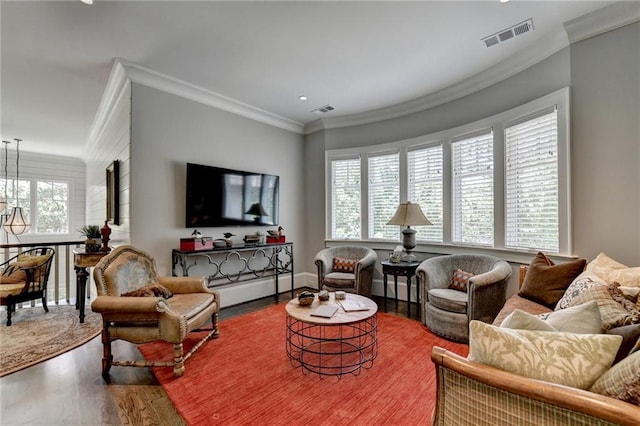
[(603, 73), (168, 131), (110, 142)]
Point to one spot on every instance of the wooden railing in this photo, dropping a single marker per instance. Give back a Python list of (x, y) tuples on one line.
[(62, 279)]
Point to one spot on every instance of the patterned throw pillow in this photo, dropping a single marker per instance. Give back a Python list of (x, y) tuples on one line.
[(603, 265), (150, 290), (622, 381), (581, 283), (460, 280), (546, 282), (613, 313), (569, 359), (628, 277), (344, 265)]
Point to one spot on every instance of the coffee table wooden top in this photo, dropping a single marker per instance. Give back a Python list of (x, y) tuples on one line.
[(303, 313)]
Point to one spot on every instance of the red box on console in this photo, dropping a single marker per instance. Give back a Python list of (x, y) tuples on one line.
[(272, 239), (191, 244)]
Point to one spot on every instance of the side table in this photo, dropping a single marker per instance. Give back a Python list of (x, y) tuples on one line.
[(402, 269), (83, 260)]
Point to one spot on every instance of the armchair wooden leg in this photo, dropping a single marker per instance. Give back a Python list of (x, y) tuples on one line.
[(107, 356), (9, 311), (178, 360), (214, 325)]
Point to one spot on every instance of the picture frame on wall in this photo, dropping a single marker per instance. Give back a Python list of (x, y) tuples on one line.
[(113, 192)]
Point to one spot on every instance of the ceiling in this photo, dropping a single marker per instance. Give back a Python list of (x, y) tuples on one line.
[(356, 56)]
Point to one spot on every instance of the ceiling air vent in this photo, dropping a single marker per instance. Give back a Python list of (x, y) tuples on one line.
[(323, 110), (508, 33)]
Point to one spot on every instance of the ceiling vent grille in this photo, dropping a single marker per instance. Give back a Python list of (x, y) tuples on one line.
[(323, 110), (508, 33)]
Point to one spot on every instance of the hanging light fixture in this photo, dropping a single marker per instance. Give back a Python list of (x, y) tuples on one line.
[(3, 199), (16, 223)]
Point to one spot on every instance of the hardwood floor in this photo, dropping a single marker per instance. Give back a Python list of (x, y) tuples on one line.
[(69, 390)]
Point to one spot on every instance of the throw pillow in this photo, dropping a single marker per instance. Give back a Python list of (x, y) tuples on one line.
[(622, 381), (603, 265), (569, 359), (546, 282), (582, 319), (521, 320), (15, 271), (460, 280), (618, 296), (613, 314), (581, 283), (344, 265), (628, 277), (150, 290)]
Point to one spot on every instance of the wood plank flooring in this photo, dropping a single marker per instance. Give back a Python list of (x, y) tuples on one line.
[(69, 390)]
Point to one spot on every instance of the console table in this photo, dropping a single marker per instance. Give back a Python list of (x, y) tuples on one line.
[(232, 265), (83, 260)]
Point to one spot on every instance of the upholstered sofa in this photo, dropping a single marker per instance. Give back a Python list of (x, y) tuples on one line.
[(473, 392)]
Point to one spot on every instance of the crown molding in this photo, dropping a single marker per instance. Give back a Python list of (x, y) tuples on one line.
[(154, 79), (603, 20), (116, 86)]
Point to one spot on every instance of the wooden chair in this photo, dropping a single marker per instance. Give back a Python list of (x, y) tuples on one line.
[(24, 277), (139, 306)]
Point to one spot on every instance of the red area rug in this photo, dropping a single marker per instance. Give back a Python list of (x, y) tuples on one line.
[(244, 377)]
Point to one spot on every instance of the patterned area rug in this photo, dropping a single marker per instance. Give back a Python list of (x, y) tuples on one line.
[(36, 335)]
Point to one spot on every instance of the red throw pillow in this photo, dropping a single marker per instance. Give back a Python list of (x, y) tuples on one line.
[(546, 282), (460, 280), (344, 265)]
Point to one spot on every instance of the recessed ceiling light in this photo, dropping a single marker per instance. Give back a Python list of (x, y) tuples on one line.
[(303, 98), (87, 1), (504, 1)]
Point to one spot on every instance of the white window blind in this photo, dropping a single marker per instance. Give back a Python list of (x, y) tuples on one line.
[(425, 188), (531, 172), (345, 199), (384, 195), (473, 190)]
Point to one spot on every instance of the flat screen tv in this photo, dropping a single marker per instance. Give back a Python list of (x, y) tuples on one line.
[(219, 197)]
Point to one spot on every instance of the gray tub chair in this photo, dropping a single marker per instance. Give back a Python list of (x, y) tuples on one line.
[(359, 281), (447, 312)]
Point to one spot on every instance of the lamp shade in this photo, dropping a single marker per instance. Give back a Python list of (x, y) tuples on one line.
[(409, 214), (16, 223), (256, 210)]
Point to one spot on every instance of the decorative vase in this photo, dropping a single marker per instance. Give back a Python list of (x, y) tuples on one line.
[(105, 231)]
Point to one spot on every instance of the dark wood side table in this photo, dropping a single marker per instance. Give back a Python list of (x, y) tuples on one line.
[(81, 262), (402, 269)]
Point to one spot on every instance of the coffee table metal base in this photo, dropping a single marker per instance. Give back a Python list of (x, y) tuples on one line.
[(332, 349)]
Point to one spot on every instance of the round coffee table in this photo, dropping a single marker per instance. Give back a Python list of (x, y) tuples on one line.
[(342, 344)]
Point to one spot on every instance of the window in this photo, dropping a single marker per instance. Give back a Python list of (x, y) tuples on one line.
[(345, 199), (498, 183), (473, 190), (531, 172), (45, 203), (384, 195), (425, 188)]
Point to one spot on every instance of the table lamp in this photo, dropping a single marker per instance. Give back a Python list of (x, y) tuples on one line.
[(409, 214)]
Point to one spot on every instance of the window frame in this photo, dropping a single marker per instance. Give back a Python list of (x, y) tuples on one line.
[(559, 99)]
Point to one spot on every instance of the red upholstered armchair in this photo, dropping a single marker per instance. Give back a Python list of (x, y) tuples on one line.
[(139, 306)]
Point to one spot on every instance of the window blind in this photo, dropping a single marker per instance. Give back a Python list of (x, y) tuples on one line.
[(345, 199), (473, 189), (384, 195), (426, 188), (531, 193)]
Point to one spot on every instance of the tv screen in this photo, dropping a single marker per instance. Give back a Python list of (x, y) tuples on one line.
[(224, 197)]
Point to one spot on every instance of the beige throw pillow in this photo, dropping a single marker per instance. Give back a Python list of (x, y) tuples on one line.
[(613, 314), (521, 320), (576, 360), (629, 277), (583, 319), (603, 265)]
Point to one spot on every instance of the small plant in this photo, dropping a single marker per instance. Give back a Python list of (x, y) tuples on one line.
[(90, 231)]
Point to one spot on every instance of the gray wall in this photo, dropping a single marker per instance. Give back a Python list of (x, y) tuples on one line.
[(167, 132), (603, 74)]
